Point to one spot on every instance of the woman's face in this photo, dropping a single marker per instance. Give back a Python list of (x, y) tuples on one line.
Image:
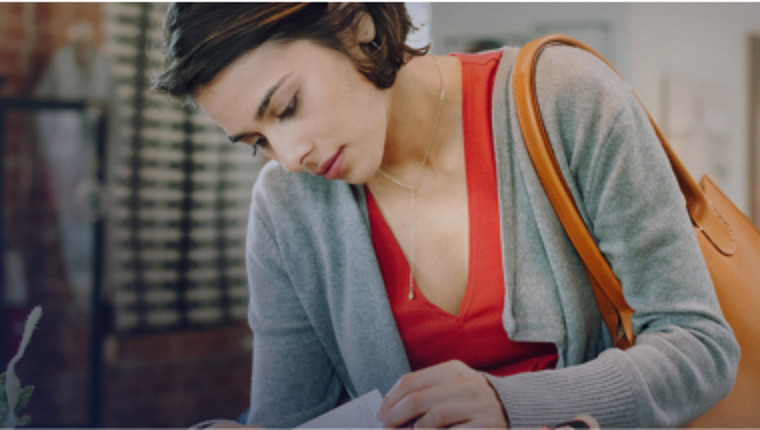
[(303, 105)]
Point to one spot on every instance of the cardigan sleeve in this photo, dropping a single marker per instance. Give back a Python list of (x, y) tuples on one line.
[(293, 379), (685, 356)]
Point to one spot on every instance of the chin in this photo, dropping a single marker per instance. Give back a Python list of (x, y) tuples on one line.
[(358, 175), (353, 181)]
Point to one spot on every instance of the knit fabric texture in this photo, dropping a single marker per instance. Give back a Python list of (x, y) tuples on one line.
[(323, 328)]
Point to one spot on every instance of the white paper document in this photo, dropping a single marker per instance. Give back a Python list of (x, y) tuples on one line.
[(358, 413)]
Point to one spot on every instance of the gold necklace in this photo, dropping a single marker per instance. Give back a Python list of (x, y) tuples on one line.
[(413, 188)]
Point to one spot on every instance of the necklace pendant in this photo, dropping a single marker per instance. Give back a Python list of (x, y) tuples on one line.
[(411, 294)]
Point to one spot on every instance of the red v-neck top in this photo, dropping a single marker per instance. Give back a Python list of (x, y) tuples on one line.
[(475, 335)]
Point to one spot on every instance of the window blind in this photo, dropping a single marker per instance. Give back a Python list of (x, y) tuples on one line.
[(179, 194)]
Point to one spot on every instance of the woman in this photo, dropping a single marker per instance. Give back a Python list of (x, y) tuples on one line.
[(401, 240)]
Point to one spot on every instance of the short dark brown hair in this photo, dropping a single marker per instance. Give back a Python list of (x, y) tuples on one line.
[(201, 39)]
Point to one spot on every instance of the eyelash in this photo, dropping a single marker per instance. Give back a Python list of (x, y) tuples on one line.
[(290, 109), (256, 143)]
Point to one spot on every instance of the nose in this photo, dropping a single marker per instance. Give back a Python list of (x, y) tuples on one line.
[(296, 154)]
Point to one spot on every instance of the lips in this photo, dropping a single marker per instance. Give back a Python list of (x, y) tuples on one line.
[(331, 168)]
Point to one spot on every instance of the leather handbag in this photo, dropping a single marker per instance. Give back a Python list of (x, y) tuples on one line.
[(730, 244)]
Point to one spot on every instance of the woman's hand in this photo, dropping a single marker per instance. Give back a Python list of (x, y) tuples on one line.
[(450, 394)]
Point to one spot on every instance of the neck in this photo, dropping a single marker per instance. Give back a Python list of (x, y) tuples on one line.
[(414, 117)]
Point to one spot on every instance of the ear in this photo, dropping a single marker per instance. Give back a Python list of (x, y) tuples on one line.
[(365, 28)]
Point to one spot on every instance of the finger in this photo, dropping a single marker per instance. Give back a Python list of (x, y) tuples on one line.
[(418, 381), (448, 413), (408, 383), (413, 405), (466, 405)]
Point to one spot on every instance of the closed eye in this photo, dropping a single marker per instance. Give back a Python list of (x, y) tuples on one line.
[(290, 109)]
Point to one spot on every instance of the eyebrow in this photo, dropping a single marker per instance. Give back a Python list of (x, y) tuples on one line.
[(263, 106)]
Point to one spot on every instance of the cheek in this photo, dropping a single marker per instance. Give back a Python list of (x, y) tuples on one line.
[(337, 121), (347, 113), (366, 116)]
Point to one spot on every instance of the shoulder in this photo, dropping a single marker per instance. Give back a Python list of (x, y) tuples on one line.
[(277, 187), (568, 76), (562, 62), (574, 87), (274, 181), (279, 194)]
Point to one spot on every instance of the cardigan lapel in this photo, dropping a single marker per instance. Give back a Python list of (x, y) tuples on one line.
[(368, 342), (523, 206)]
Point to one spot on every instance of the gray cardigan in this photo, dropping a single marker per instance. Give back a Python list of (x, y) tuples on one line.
[(323, 327)]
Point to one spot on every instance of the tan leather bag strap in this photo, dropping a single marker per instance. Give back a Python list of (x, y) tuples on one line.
[(607, 289), (609, 293)]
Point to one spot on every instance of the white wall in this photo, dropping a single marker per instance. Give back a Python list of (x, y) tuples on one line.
[(707, 42), (525, 19)]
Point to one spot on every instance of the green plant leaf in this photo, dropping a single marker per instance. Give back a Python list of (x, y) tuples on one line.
[(12, 385), (3, 403), (23, 398)]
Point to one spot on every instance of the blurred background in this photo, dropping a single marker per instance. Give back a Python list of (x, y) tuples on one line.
[(123, 213)]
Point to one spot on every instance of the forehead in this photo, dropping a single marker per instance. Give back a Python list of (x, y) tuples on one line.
[(235, 93), (247, 77)]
